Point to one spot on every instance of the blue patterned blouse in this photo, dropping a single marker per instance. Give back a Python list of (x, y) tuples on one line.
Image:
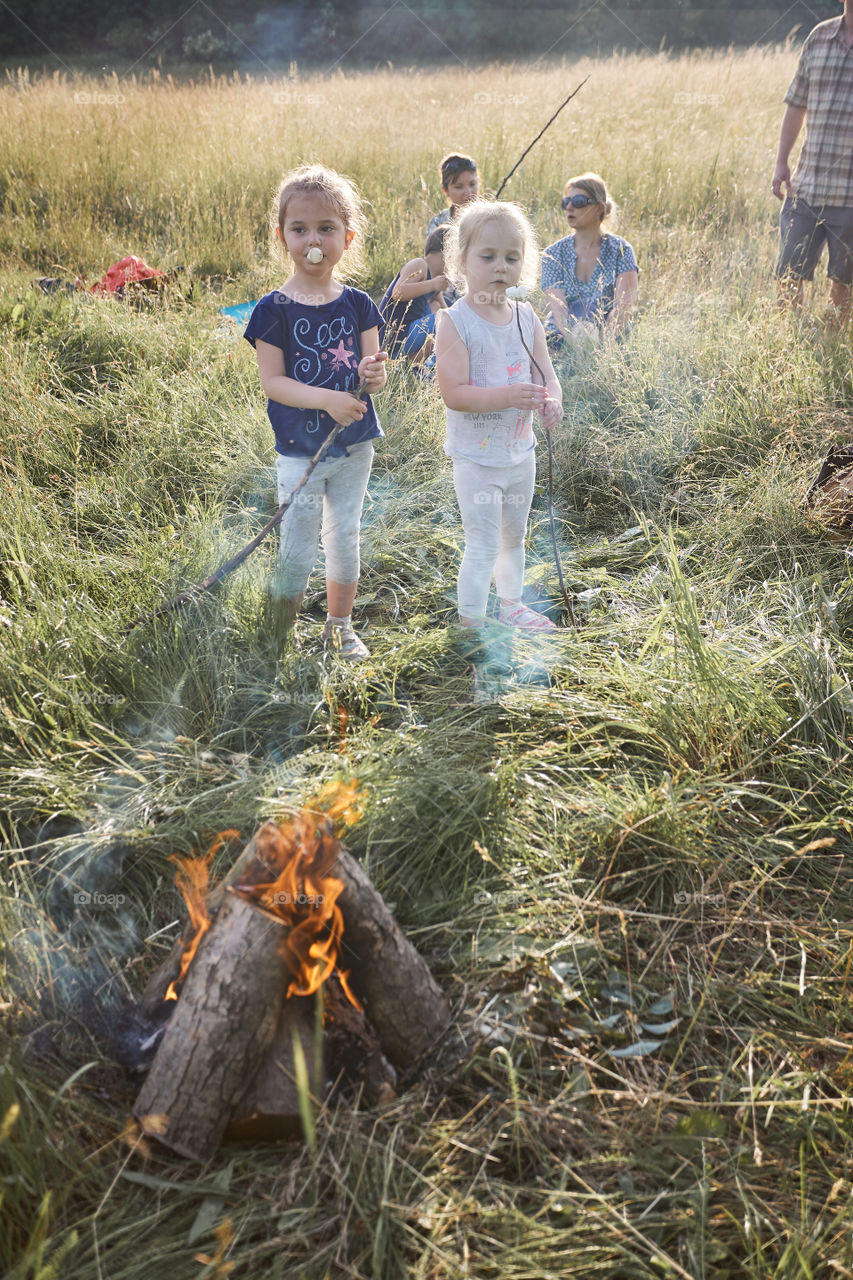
[(586, 299)]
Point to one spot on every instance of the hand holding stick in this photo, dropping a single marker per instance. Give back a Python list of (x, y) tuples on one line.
[(230, 565)]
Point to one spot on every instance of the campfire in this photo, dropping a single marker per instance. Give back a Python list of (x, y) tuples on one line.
[(292, 964)]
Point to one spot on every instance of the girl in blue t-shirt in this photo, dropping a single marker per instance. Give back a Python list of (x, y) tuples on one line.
[(316, 339)]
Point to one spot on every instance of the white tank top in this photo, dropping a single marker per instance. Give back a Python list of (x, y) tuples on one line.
[(496, 358)]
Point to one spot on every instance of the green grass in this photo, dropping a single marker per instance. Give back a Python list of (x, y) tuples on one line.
[(644, 821)]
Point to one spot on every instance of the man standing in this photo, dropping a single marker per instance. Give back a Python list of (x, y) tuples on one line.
[(819, 203)]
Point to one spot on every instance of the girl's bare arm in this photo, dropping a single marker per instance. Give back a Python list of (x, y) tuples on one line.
[(413, 282), (453, 372), (371, 366), (552, 409), (341, 405)]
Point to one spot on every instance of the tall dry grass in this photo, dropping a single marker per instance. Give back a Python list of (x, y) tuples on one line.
[(181, 173)]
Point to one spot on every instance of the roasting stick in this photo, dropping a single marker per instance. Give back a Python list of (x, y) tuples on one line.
[(538, 136), (515, 294), (229, 566)]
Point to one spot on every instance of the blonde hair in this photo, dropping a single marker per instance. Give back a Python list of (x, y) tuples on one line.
[(337, 191), (474, 216), (592, 185)]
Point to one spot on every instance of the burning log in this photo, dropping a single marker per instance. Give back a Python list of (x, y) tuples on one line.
[(292, 908), (252, 867), (223, 1022)]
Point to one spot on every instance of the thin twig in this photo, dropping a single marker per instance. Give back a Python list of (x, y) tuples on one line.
[(538, 136), (558, 562)]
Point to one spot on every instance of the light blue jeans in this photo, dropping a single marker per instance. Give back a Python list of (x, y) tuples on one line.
[(329, 506)]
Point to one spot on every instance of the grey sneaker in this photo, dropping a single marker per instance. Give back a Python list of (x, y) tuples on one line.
[(343, 641)]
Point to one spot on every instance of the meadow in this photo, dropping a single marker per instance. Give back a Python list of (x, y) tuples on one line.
[(624, 851)]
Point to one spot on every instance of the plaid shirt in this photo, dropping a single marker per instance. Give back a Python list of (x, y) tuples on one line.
[(823, 84)]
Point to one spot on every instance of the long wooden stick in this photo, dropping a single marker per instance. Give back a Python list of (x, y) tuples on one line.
[(230, 565), (566, 598), (538, 136)]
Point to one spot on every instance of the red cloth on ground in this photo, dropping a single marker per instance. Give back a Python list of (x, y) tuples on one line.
[(125, 272)]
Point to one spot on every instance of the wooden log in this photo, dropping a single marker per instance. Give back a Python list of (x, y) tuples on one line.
[(351, 1048), (270, 1106), (401, 998), (252, 867), (223, 1023), (403, 1003)]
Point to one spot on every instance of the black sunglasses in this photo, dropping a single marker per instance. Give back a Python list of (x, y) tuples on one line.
[(577, 202)]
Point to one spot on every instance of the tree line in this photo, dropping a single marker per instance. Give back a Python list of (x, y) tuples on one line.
[(225, 32)]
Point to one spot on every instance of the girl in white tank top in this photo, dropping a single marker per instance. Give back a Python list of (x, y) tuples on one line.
[(491, 390)]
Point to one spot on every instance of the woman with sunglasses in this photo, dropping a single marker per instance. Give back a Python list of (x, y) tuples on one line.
[(590, 276)]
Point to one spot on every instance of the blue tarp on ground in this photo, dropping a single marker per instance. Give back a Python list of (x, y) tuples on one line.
[(239, 313)]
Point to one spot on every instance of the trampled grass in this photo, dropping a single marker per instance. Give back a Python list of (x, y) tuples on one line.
[(635, 833)]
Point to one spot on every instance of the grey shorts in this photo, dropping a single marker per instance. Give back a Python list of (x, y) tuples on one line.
[(804, 230)]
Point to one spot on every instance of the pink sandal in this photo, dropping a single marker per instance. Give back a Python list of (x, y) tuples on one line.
[(520, 616)]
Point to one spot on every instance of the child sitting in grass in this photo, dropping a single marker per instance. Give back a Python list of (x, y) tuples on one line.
[(411, 300), (460, 182)]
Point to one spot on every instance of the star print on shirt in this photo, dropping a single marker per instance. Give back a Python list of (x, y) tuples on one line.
[(341, 356)]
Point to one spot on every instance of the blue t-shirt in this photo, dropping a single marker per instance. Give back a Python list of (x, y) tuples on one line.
[(322, 347), (586, 299)]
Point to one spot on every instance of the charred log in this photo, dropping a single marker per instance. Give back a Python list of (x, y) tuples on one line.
[(223, 1024)]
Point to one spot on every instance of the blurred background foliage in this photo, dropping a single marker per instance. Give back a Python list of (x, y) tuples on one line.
[(254, 34)]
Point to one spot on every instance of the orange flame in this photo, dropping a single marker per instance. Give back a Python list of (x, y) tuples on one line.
[(191, 878), (304, 893)]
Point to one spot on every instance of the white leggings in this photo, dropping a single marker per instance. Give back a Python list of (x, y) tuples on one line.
[(495, 503), (330, 503)]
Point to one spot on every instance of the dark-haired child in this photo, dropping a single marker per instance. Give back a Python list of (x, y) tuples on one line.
[(411, 300), (460, 182)]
